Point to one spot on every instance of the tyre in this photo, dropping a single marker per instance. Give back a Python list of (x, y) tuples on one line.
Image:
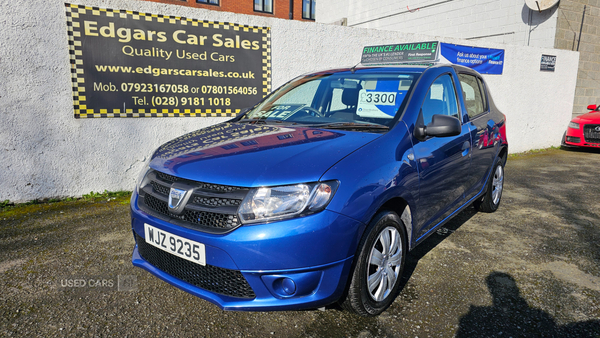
[(491, 200), (375, 279)]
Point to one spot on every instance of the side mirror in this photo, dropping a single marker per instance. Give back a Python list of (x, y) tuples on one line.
[(443, 125), (592, 107), (440, 126)]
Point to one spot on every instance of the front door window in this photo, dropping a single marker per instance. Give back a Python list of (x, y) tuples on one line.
[(440, 99)]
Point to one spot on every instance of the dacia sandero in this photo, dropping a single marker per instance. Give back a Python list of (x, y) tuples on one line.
[(314, 196)]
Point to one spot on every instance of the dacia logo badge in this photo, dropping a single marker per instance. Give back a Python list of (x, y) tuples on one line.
[(175, 197)]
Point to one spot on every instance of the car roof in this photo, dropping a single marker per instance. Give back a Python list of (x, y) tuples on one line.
[(393, 68)]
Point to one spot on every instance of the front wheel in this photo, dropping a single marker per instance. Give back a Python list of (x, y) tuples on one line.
[(375, 280), (491, 200)]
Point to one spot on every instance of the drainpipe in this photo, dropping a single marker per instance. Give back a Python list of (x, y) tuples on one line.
[(291, 9), (581, 28)]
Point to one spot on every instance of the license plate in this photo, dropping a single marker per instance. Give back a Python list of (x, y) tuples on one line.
[(175, 245)]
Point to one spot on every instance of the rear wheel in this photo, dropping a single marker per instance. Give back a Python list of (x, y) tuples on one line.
[(375, 281), (491, 200)]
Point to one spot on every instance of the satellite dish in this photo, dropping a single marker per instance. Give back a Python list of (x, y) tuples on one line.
[(540, 5)]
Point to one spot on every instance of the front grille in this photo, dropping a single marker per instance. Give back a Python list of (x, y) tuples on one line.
[(212, 219), (590, 134), (161, 189), (212, 208), (167, 177), (201, 185), (200, 218), (157, 205), (211, 278), (215, 202)]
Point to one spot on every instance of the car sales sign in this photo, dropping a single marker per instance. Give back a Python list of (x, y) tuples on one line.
[(132, 64)]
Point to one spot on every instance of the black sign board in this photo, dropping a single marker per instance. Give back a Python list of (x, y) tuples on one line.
[(548, 63), (401, 53), (131, 64)]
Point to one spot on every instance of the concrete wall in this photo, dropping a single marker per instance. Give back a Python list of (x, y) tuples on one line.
[(506, 21), (567, 37), (45, 152)]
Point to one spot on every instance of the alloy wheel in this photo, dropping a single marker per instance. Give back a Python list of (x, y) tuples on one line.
[(384, 263), (497, 184)]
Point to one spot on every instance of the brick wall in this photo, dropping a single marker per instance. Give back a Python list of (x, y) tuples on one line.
[(281, 8), (567, 37)]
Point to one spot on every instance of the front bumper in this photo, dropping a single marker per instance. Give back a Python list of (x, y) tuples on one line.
[(576, 138), (288, 265)]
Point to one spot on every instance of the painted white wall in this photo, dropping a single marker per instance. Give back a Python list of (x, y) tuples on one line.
[(46, 152), (506, 21)]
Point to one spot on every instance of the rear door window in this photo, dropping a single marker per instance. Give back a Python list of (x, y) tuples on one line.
[(472, 93)]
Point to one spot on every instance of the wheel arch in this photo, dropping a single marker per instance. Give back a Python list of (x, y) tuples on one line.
[(401, 207), (503, 154)]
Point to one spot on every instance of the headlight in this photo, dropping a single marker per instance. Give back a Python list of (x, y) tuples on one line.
[(271, 203), (145, 168), (574, 125)]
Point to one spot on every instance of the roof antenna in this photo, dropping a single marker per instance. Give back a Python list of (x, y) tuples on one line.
[(353, 69)]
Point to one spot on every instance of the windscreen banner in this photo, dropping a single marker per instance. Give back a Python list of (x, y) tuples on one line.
[(483, 60), (413, 52), (132, 64)]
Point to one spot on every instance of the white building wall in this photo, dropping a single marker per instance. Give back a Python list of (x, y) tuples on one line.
[(46, 152), (506, 21)]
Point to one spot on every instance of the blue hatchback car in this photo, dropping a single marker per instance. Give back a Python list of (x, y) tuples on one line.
[(315, 195)]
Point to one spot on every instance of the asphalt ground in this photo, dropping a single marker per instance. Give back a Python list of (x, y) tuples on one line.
[(531, 269)]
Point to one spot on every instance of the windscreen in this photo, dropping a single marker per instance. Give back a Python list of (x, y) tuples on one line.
[(372, 98)]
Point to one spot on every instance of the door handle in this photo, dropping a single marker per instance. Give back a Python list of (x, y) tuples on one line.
[(466, 147)]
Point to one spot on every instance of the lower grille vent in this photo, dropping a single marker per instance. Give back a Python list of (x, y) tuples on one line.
[(211, 278)]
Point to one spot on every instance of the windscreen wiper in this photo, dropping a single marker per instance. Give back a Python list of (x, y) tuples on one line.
[(253, 121), (266, 121), (350, 126)]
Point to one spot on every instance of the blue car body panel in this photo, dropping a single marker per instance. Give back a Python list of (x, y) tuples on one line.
[(288, 244), (245, 154), (265, 253), (305, 261)]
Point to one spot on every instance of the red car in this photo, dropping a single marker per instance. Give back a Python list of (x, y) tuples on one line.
[(584, 130)]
